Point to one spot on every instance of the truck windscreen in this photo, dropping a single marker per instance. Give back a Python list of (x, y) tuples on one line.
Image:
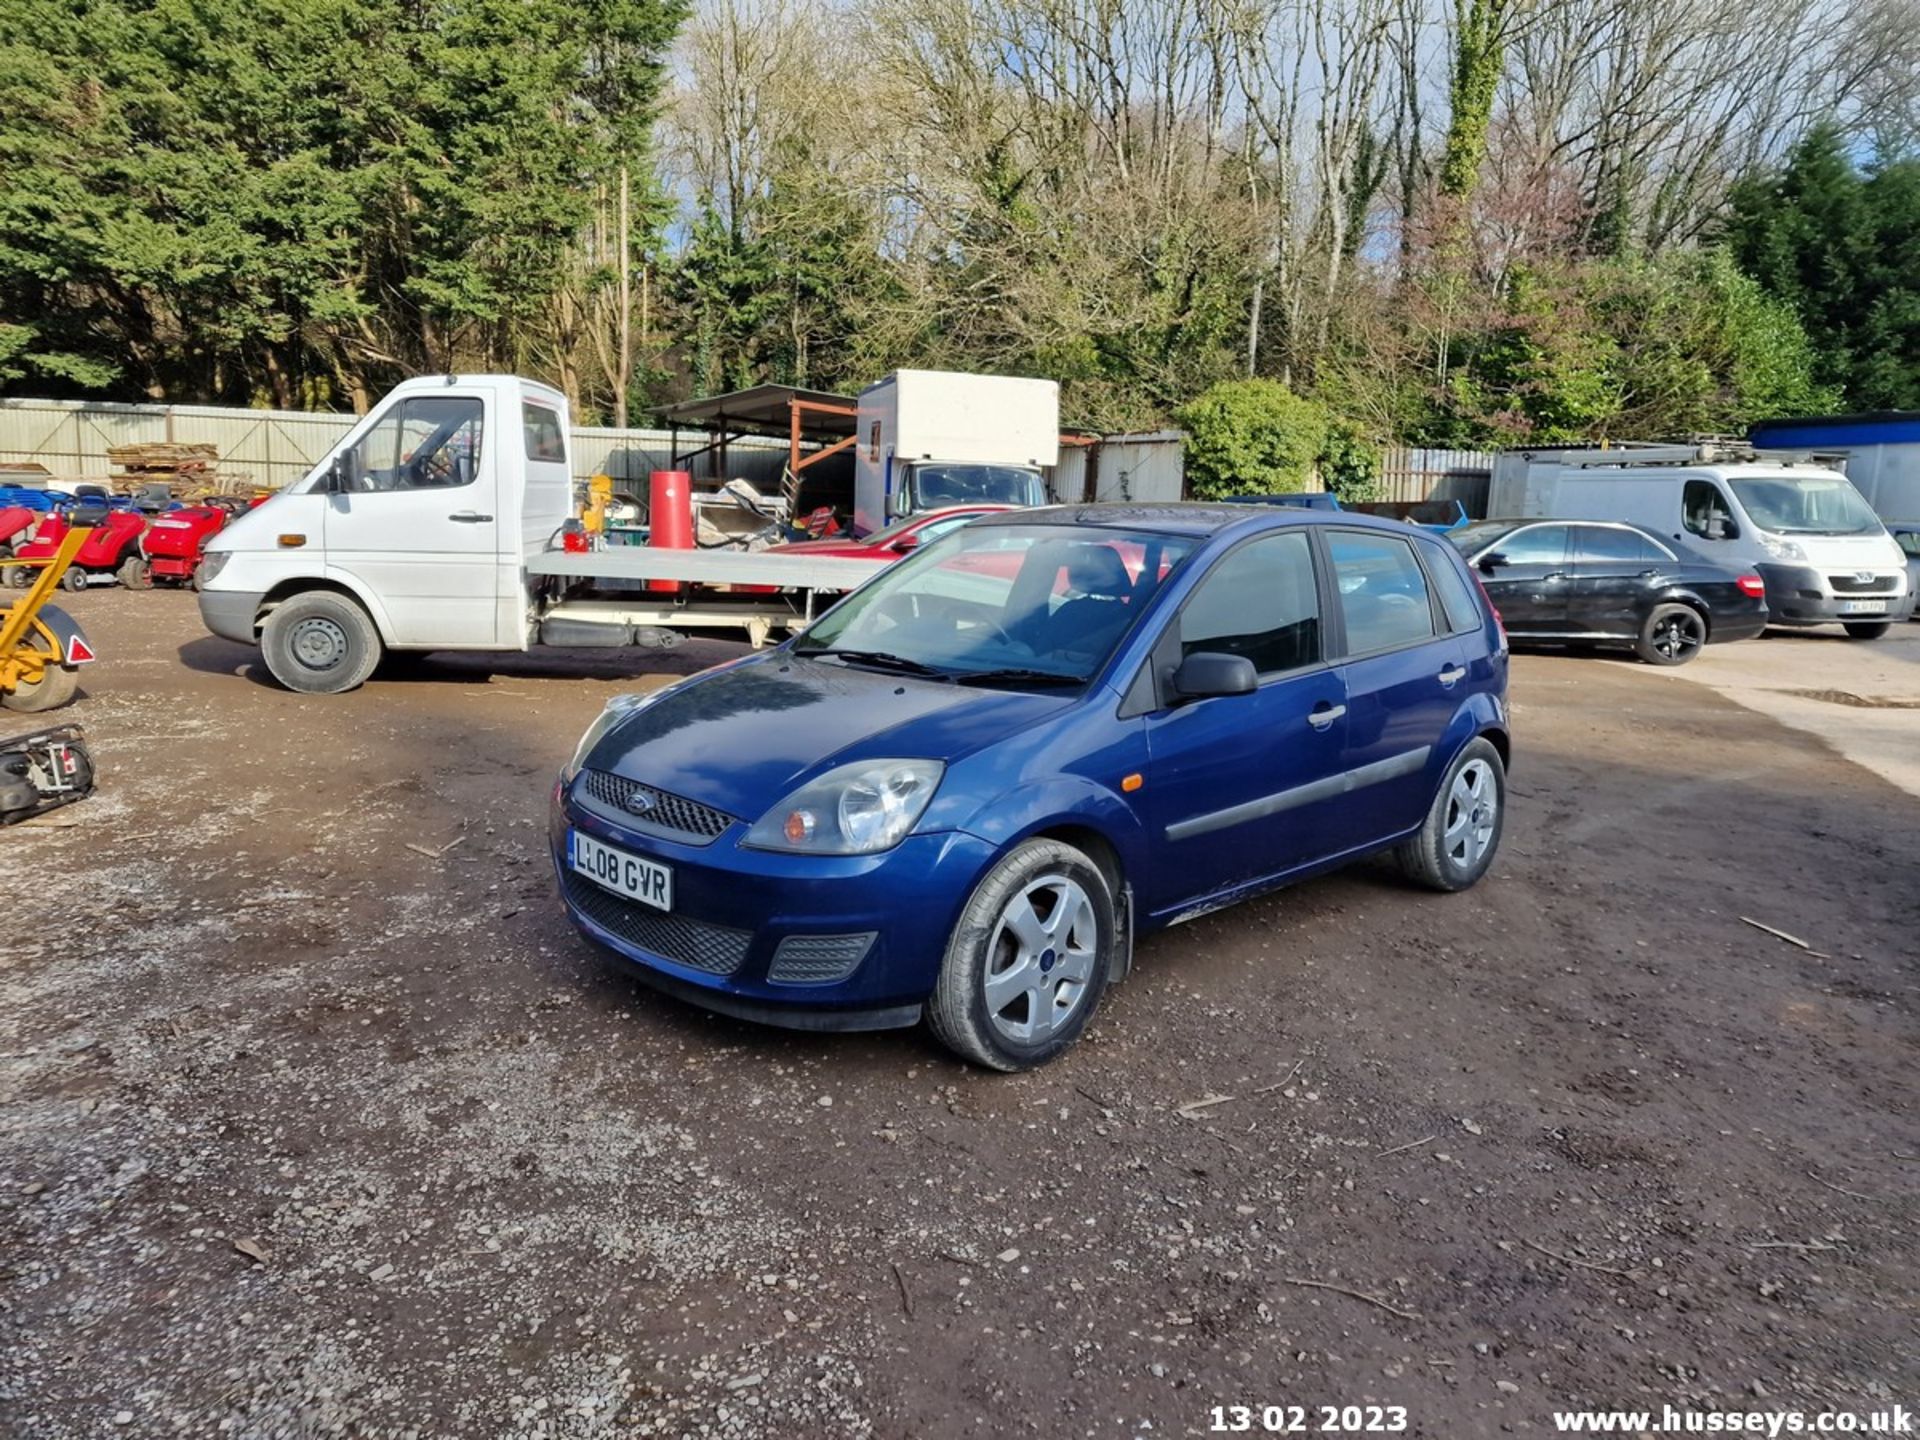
[(935, 486), (1806, 505)]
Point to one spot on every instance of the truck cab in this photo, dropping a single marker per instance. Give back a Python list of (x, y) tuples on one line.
[(933, 439), (422, 517)]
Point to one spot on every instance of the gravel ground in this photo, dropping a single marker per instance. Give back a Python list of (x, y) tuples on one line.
[(319, 1120)]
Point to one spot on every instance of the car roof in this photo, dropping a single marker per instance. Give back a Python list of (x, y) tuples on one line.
[(1189, 517)]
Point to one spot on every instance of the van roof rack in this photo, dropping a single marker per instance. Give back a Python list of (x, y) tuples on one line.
[(1693, 452)]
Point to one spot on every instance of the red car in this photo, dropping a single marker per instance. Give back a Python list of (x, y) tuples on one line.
[(896, 540)]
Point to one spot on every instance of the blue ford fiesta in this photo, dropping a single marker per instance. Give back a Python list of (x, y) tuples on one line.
[(968, 787)]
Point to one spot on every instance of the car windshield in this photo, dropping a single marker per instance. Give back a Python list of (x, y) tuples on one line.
[(1019, 604), (938, 485), (1806, 505), (1472, 539)]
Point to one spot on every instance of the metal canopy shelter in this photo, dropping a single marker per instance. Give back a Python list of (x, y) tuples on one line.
[(785, 410)]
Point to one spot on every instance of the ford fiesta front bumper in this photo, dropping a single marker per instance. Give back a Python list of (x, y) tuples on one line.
[(806, 941)]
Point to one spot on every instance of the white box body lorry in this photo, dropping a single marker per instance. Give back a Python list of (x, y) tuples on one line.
[(1823, 553), (931, 438), (433, 525)]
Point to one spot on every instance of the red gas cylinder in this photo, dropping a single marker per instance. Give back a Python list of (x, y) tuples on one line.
[(669, 517)]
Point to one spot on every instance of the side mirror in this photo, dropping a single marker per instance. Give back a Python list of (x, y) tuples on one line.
[(906, 543), (1490, 562), (1207, 673), (339, 476)]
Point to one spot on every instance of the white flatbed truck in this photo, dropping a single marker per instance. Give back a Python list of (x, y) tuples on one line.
[(435, 525)]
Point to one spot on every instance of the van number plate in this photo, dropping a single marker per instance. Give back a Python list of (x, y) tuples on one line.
[(622, 872), (1864, 607)]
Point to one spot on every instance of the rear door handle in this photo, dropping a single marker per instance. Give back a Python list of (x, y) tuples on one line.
[(1323, 716), (1553, 575), (1453, 675), (470, 517)]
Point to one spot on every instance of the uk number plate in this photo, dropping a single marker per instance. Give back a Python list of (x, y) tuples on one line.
[(622, 872), (1864, 607)]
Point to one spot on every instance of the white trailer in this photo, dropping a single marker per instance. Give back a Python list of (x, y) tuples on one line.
[(926, 439), (434, 525)]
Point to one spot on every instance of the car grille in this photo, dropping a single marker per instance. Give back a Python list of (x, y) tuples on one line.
[(1872, 585), (712, 949), (818, 959), (642, 807)]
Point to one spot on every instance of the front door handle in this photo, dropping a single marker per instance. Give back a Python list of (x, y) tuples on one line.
[(471, 517), (1552, 575), (1453, 675), (1324, 715)]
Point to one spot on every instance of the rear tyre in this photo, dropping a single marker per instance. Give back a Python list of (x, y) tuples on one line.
[(1461, 834), (1867, 629), (1028, 961), (54, 688), (135, 573), (1672, 635), (320, 643)]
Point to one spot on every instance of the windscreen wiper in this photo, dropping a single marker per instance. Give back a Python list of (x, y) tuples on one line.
[(879, 660), (1014, 675)]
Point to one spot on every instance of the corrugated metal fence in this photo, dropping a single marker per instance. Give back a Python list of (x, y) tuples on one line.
[(277, 447)]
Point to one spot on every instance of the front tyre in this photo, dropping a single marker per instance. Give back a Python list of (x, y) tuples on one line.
[(1028, 961), (320, 643), (1867, 629), (1457, 841)]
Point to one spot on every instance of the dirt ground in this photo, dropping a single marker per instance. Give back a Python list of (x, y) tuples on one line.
[(316, 1118)]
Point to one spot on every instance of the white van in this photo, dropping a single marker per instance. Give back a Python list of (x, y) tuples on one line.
[(1823, 553)]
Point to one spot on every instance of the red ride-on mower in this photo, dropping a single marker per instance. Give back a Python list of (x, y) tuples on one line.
[(112, 549), (177, 541), (16, 522)]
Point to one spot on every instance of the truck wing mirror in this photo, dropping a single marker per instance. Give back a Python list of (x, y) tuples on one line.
[(339, 476), (907, 542)]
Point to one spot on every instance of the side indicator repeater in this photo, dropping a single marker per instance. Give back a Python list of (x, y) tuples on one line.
[(1132, 782)]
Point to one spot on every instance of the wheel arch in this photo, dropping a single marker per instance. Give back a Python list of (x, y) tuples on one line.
[(286, 590)]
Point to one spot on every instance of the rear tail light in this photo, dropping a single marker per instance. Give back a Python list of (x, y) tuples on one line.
[(1752, 585), (1492, 609)]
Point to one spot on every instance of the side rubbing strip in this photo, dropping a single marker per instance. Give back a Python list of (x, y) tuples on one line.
[(1376, 773)]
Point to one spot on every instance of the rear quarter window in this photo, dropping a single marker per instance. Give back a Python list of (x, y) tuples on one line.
[(1458, 603), (546, 440)]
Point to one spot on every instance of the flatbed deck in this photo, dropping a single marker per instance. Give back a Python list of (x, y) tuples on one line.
[(705, 567)]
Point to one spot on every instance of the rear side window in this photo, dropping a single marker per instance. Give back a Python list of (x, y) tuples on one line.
[(1457, 600), (1260, 602), (545, 439), (1602, 544), (1383, 592)]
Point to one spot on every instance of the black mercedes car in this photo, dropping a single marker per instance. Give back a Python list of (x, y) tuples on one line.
[(1599, 582)]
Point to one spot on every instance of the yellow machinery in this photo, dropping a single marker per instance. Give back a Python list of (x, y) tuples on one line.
[(41, 646)]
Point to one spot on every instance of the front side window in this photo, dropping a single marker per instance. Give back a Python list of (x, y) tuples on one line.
[(422, 443), (1605, 545), (1383, 593), (1909, 541), (1261, 602), (1535, 545), (545, 439), (1026, 604), (1705, 512)]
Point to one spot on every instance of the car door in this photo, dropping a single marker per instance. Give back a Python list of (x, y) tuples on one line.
[(1613, 568), (1240, 787), (1525, 575), (1402, 670), (412, 515)]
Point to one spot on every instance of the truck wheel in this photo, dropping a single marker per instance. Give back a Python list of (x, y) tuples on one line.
[(1028, 961), (320, 643), (135, 573), (54, 688), (1672, 635), (1868, 629)]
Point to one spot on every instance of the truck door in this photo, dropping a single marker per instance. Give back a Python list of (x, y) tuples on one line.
[(412, 517)]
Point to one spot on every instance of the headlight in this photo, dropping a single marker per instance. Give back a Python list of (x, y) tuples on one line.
[(211, 564), (618, 709), (857, 809), (1781, 549)]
